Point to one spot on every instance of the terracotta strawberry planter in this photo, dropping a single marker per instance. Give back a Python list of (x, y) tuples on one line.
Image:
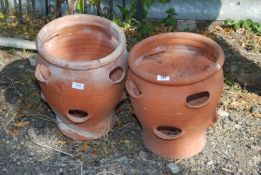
[(174, 82), (81, 69)]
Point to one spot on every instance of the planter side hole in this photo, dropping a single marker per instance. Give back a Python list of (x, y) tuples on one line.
[(169, 130), (78, 113), (117, 74), (132, 89), (198, 100), (77, 116), (43, 73)]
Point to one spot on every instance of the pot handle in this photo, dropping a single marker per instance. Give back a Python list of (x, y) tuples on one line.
[(42, 73), (198, 100), (78, 116), (133, 89), (159, 132), (116, 75)]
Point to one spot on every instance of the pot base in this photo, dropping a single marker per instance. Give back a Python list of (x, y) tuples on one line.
[(77, 133), (180, 148)]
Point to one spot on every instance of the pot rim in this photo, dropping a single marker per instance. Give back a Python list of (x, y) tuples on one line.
[(51, 29), (171, 80)]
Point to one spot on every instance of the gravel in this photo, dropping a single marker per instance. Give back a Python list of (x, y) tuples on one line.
[(173, 168)]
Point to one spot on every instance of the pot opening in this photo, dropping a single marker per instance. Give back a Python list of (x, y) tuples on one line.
[(198, 99), (169, 131), (176, 58), (81, 43), (177, 61), (116, 74)]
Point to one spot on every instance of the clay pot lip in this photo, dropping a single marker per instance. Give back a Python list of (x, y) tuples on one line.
[(174, 80), (48, 31)]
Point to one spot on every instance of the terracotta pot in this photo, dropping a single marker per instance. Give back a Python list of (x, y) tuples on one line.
[(174, 82), (81, 69)]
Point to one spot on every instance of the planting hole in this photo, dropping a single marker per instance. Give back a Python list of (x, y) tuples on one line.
[(93, 42), (116, 75), (169, 130), (45, 74), (198, 100), (132, 89), (78, 113), (77, 116)]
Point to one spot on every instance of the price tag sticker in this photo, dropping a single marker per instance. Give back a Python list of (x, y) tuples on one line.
[(163, 78), (76, 85)]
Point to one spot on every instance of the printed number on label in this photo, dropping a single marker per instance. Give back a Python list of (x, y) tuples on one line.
[(76, 85), (163, 78)]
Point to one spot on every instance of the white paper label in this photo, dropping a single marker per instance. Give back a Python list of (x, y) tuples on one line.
[(163, 78), (76, 85)]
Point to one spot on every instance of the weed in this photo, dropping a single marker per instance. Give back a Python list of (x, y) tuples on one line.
[(146, 29), (132, 11), (164, 1), (80, 7), (12, 51), (247, 24), (170, 20), (250, 31), (134, 28)]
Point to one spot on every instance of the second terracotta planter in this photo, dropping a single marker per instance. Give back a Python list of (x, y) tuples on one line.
[(174, 82), (81, 68)]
